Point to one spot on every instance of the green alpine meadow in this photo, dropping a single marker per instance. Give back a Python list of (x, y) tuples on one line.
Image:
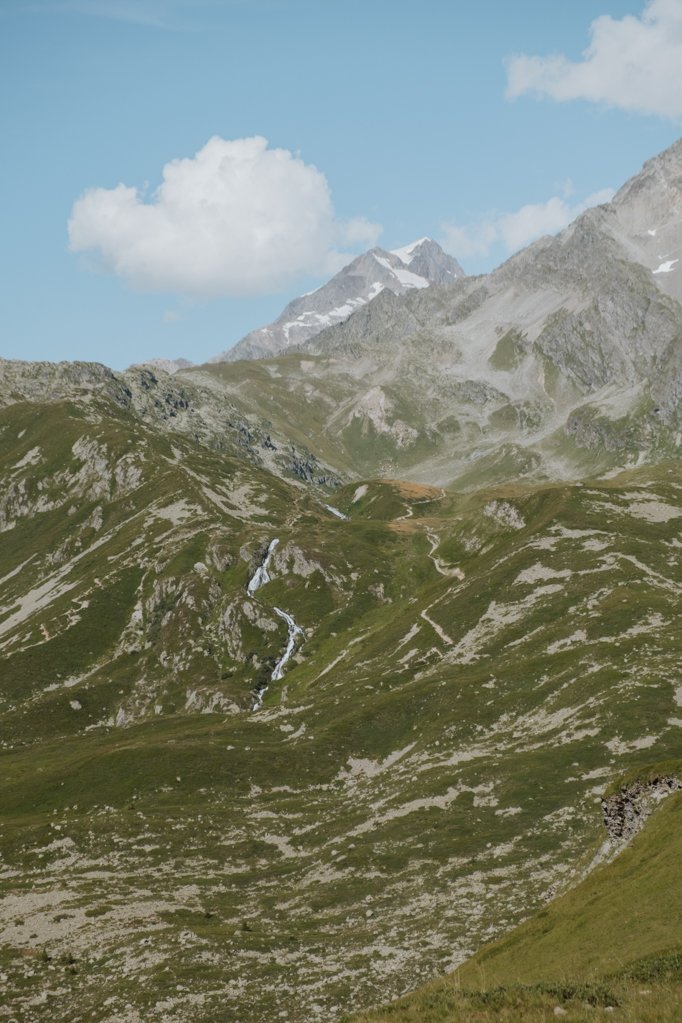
[(340, 674)]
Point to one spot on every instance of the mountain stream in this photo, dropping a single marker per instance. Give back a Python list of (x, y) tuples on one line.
[(260, 577)]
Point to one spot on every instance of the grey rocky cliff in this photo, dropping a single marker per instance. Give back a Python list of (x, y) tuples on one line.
[(429, 261), (646, 219)]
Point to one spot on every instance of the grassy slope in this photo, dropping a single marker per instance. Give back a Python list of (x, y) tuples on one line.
[(614, 939)]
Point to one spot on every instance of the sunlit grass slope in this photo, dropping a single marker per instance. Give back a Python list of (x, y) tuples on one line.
[(615, 940)]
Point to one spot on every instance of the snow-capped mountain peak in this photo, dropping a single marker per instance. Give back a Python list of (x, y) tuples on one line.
[(417, 265)]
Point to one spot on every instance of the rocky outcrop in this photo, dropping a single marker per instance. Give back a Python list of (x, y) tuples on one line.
[(626, 811)]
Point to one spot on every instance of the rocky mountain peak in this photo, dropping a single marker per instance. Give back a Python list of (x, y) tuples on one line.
[(661, 175), (646, 219), (426, 258)]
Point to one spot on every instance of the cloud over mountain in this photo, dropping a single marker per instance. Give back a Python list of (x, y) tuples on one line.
[(237, 218), (631, 63), (513, 230)]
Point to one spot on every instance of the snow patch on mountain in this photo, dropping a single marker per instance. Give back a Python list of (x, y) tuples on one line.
[(407, 253), (667, 267), (406, 277)]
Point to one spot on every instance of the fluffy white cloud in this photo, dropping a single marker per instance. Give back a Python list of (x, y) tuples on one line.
[(237, 218), (632, 63), (511, 231)]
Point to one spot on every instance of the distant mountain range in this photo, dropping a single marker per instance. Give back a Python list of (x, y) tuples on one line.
[(563, 361), (409, 268)]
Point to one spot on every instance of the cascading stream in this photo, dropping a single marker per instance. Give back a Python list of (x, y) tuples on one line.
[(294, 631), (260, 577)]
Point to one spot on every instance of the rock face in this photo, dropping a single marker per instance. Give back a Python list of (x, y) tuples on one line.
[(593, 299), (646, 219), (415, 266), (626, 811)]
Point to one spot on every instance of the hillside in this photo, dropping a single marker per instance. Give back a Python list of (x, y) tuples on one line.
[(370, 823)]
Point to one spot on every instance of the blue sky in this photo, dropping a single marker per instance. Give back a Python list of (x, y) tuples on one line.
[(386, 120)]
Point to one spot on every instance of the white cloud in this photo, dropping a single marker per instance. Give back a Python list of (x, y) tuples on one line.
[(511, 231), (632, 63), (237, 218), (359, 232)]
